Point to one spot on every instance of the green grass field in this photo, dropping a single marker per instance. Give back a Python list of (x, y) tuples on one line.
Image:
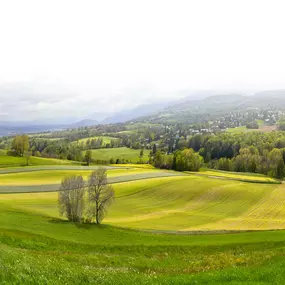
[(55, 176), (7, 161), (169, 201), (128, 154), (39, 249), (184, 229), (106, 139), (247, 177)]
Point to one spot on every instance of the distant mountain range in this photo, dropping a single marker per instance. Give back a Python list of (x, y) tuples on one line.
[(165, 111), (187, 110)]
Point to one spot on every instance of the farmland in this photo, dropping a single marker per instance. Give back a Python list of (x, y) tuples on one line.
[(165, 227), (128, 154), (164, 200)]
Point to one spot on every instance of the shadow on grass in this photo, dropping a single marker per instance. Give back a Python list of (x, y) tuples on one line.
[(78, 225)]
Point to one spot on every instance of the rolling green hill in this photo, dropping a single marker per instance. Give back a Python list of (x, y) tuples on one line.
[(166, 200), (128, 154), (36, 247), (173, 229), (8, 161)]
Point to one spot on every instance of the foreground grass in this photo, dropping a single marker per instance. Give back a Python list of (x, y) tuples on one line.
[(37, 247), (44, 250)]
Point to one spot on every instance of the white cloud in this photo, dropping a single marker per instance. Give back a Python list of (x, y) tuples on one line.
[(73, 56)]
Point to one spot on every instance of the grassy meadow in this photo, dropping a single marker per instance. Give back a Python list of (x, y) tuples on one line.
[(128, 154), (165, 227), (241, 176), (161, 200), (8, 161), (106, 139)]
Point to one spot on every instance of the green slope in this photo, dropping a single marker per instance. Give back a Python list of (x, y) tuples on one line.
[(36, 247), (166, 201), (8, 161), (128, 154)]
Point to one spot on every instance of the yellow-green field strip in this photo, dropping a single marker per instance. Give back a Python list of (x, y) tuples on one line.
[(56, 167), (244, 177), (112, 180)]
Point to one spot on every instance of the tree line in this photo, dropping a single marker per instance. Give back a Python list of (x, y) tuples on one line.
[(254, 152)]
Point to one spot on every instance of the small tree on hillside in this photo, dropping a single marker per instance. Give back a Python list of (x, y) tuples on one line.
[(20, 144), (71, 198), (100, 196), (88, 157)]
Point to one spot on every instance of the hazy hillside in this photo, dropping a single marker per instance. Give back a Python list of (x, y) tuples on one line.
[(189, 111)]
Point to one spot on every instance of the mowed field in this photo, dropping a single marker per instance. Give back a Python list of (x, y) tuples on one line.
[(161, 200), (164, 228), (128, 154)]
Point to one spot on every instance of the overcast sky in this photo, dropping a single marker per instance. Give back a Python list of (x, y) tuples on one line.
[(73, 58)]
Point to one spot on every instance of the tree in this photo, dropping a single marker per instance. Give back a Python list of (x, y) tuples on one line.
[(71, 198), (252, 125), (88, 156), (141, 152), (158, 159), (20, 144), (187, 160), (154, 149), (281, 124), (100, 195)]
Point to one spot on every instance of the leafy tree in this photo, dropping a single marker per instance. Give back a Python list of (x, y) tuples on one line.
[(100, 195), (252, 125), (20, 144), (154, 148), (88, 156), (188, 160), (141, 153), (71, 198), (158, 159), (281, 124)]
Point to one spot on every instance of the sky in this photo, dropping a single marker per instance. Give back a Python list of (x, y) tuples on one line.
[(66, 60)]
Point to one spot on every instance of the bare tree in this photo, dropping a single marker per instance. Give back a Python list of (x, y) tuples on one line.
[(71, 198), (100, 195)]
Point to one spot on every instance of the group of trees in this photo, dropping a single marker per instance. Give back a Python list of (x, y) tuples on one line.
[(245, 152), (20, 145), (85, 202), (252, 125), (250, 160), (97, 143), (181, 160)]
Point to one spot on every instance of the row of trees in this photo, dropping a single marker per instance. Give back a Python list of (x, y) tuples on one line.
[(228, 145), (99, 143), (250, 160), (85, 202)]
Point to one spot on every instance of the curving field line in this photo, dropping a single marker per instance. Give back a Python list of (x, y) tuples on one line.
[(57, 167), (112, 180)]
